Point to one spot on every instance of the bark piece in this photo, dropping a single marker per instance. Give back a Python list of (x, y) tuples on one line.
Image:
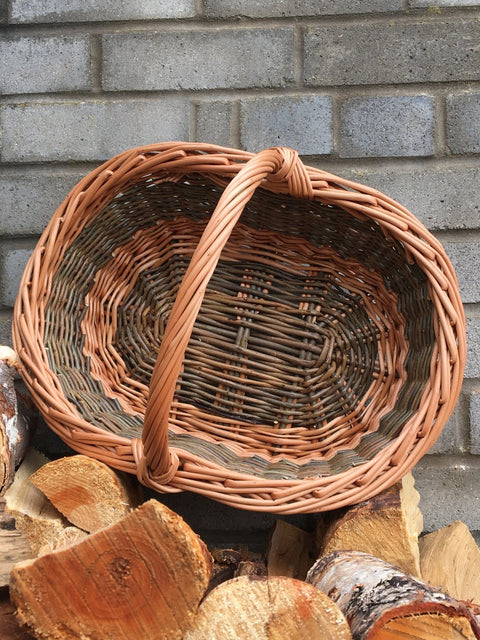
[(382, 602), (142, 577), (87, 492), (290, 551), (386, 526), (230, 563), (14, 546), (450, 559), (17, 417), (44, 527), (274, 608), (251, 568)]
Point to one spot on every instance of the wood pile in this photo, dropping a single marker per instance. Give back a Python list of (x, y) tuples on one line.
[(84, 556)]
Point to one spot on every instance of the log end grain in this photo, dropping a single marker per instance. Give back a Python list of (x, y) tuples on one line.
[(269, 608), (142, 577), (86, 491)]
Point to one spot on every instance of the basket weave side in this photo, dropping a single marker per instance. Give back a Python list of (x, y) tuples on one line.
[(187, 443)]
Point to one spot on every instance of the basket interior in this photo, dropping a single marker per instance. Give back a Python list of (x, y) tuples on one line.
[(312, 347)]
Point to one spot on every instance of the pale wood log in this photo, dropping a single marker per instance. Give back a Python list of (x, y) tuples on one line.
[(44, 527), (87, 492), (17, 418), (290, 551), (14, 546), (450, 559), (142, 577), (275, 608), (383, 603), (386, 526)]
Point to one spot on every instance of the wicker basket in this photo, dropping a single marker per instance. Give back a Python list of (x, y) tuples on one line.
[(301, 359)]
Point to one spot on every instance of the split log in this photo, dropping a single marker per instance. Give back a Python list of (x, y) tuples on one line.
[(450, 559), (87, 492), (17, 417), (43, 526), (386, 526), (14, 546), (142, 577), (383, 603), (290, 551), (273, 608)]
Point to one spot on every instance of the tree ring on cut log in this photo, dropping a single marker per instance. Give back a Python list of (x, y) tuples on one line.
[(121, 575)]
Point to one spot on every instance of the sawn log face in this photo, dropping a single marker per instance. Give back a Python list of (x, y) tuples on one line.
[(140, 578)]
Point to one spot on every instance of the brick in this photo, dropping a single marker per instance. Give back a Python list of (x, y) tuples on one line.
[(449, 490), (359, 54), (36, 64), (465, 257), (301, 122), (214, 122), (25, 11), (93, 130), (224, 58), (435, 195), (387, 126), (449, 440), (475, 423), (14, 262), (285, 8), (472, 369), (28, 201), (463, 122)]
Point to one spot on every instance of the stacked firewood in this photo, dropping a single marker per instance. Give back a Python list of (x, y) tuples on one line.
[(84, 556)]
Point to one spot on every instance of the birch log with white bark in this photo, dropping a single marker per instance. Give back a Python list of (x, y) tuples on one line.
[(381, 602)]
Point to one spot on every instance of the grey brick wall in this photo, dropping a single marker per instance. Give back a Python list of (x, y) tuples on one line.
[(385, 92)]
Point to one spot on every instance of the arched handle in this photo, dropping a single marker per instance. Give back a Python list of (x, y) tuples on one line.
[(285, 173)]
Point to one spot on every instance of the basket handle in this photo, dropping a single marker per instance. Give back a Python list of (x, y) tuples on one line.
[(282, 171)]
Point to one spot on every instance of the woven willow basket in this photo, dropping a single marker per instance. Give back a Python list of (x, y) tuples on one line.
[(242, 326)]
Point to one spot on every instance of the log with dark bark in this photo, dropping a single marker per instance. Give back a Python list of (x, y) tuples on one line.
[(142, 577), (275, 608), (17, 418), (382, 602), (386, 526)]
